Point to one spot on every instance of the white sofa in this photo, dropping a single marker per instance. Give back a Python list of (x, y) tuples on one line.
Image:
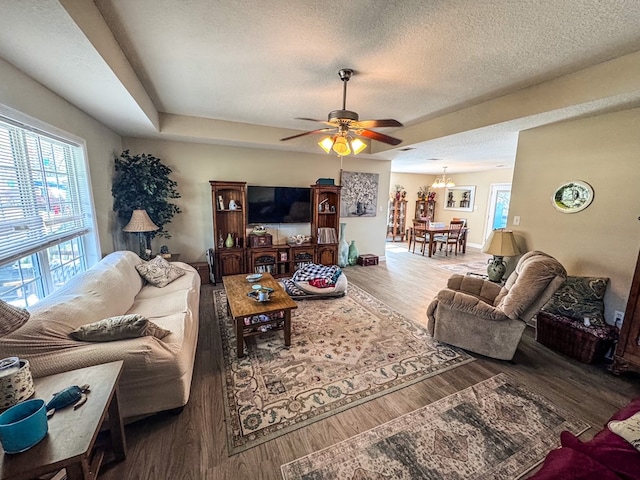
[(157, 373)]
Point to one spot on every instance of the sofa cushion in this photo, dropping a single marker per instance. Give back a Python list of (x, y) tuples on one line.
[(158, 272), (628, 429), (566, 463), (580, 297), (119, 328), (11, 318), (609, 449)]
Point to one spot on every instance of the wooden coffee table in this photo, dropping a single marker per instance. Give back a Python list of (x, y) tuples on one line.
[(72, 433), (242, 306)]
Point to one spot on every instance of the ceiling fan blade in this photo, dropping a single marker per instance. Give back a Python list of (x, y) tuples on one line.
[(380, 137), (309, 119), (387, 122), (316, 120), (320, 130)]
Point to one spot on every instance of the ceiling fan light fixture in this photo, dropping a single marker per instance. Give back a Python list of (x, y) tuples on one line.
[(326, 144), (341, 146), (357, 146)]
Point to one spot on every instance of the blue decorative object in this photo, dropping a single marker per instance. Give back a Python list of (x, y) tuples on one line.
[(23, 425), (353, 253), (343, 248), (66, 397), (325, 181)]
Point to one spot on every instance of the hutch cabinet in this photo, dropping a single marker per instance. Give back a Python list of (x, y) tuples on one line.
[(396, 223), (325, 222), (228, 201), (233, 253), (627, 356), (426, 209)]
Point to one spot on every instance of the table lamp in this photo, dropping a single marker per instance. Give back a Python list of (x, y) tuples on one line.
[(501, 244), (140, 223)]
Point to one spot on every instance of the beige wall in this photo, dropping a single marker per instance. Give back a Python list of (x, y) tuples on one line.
[(477, 219), (603, 239), (24, 94), (194, 164)]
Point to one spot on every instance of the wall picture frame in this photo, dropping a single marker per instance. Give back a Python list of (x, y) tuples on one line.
[(572, 197), (359, 195), (460, 198)]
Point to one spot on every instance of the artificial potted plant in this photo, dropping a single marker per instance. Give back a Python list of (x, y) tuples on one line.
[(142, 182)]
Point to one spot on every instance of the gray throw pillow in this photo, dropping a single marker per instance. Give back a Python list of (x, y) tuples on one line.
[(580, 297), (11, 318), (158, 272), (118, 328)]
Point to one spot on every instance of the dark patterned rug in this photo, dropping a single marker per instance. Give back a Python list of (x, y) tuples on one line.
[(495, 430), (344, 352)]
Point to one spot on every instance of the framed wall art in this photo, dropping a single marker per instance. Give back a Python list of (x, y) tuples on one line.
[(572, 197), (460, 198), (359, 195)]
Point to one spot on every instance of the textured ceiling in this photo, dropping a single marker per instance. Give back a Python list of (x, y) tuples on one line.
[(263, 63)]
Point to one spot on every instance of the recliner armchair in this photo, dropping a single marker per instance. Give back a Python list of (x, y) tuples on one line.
[(480, 316)]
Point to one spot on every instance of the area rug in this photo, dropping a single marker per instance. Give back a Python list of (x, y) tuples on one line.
[(463, 268), (494, 430), (344, 352)]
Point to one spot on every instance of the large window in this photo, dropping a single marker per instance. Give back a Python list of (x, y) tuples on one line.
[(46, 211)]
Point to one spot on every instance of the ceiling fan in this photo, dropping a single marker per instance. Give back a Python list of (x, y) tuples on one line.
[(345, 124)]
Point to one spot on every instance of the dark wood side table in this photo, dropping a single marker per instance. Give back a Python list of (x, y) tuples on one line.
[(241, 306), (72, 433)]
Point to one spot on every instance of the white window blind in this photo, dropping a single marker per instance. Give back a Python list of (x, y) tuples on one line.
[(44, 196)]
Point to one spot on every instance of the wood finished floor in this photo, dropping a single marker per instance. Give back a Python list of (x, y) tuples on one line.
[(192, 445)]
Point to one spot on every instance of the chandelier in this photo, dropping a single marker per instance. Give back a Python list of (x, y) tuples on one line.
[(342, 144), (443, 181)]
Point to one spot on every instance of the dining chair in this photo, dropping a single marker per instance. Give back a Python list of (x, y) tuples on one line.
[(452, 238), (419, 234), (465, 230)]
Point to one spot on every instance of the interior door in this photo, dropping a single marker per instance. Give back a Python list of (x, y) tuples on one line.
[(498, 210)]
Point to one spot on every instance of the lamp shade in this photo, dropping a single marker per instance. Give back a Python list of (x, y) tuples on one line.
[(501, 243), (140, 222)]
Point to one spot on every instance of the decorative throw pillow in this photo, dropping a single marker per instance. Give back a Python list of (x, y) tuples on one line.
[(158, 272), (628, 429), (118, 328), (11, 318), (580, 297)]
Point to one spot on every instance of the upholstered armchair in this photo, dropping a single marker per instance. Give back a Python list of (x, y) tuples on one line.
[(485, 318)]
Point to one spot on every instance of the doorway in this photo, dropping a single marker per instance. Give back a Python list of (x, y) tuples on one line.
[(498, 210)]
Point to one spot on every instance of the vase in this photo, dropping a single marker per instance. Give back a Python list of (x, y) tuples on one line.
[(353, 253), (343, 248), (229, 241)]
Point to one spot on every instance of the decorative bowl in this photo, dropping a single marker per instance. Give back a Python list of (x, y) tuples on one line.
[(23, 425), (259, 230), (254, 277)]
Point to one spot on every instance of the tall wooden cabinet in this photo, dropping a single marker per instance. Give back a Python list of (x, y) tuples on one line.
[(627, 356), (229, 201), (325, 215), (426, 209), (397, 220)]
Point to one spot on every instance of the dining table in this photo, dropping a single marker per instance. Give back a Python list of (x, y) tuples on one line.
[(432, 231)]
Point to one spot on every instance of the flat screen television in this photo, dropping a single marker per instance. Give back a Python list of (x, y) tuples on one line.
[(278, 204)]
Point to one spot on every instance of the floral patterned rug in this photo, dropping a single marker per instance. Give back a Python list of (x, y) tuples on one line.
[(344, 352), (494, 430), (462, 268)]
